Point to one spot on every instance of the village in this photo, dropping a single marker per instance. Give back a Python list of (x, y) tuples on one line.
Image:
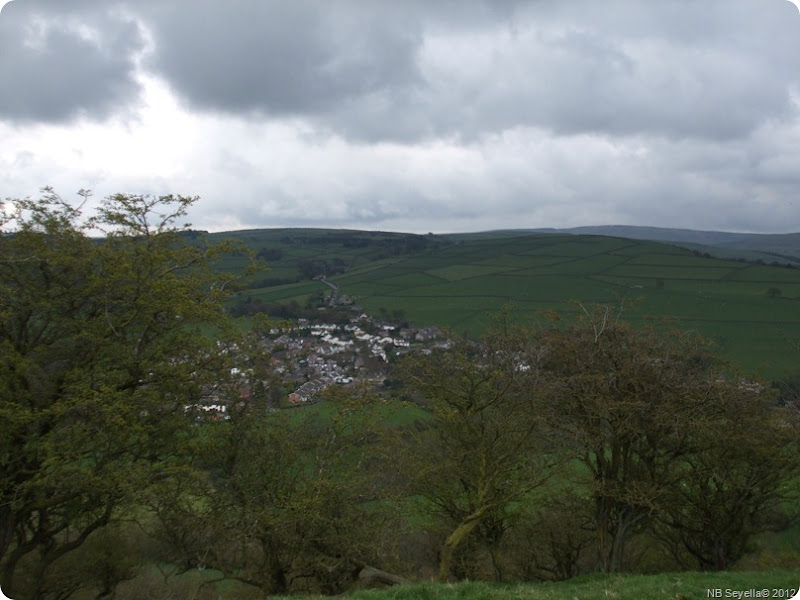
[(309, 357), (318, 355)]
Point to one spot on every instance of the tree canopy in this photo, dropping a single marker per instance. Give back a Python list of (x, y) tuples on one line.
[(671, 440), (487, 447), (101, 348)]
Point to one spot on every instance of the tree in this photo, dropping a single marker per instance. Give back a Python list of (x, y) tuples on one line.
[(486, 449), (101, 347), (648, 415), (550, 541), (738, 481), (284, 501)]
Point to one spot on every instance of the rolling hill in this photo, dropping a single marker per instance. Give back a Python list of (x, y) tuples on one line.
[(720, 244), (749, 310)]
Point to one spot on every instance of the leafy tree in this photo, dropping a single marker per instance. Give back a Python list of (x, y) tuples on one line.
[(665, 435), (551, 540), (101, 347), (486, 449), (774, 292), (291, 501), (621, 398), (739, 480)]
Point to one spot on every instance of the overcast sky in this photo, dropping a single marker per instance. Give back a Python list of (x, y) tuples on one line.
[(411, 115)]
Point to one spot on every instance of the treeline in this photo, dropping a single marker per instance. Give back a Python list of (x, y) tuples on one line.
[(594, 446), (754, 261), (292, 310), (393, 243), (379, 246), (535, 453)]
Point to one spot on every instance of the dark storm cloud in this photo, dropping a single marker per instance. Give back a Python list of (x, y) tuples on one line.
[(282, 58), (63, 60), (373, 71)]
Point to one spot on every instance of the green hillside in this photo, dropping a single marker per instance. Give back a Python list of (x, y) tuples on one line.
[(777, 583), (769, 248), (749, 310), (679, 586), (290, 252)]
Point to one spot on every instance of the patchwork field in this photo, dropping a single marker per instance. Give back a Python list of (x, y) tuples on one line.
[(750, 311)]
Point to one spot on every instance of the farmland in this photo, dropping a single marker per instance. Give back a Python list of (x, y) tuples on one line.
[(749, 310)]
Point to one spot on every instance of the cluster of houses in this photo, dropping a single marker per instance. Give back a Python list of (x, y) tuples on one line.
[(307, 391), (318, 355), (309, 357)]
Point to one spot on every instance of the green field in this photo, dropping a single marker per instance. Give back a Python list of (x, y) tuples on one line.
[(665, 586), (678, 586), (456, 281)]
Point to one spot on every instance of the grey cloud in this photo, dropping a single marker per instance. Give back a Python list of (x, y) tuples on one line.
[(674, 69), (414, 70), (604, 70), (59, 64), (280, 58), (352, 68), (381, 70), (435, 115)]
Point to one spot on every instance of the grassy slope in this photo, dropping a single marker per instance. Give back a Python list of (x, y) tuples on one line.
[(677, 586), (766, 247), (456, 281)]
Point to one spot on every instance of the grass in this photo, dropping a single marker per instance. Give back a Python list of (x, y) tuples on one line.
[(671, 586), (459, 272), (667, 586)]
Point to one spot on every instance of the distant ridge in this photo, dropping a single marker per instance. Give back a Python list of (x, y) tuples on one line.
[(666, 234), (773, 246), (756, 247)]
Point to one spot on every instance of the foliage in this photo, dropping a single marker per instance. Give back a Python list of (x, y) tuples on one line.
[(739, 481), (100, 350), (667, 439), (289, 505), (553, 538), (486, 449)]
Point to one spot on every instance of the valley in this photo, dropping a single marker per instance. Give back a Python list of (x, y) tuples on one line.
[(748, 309)]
